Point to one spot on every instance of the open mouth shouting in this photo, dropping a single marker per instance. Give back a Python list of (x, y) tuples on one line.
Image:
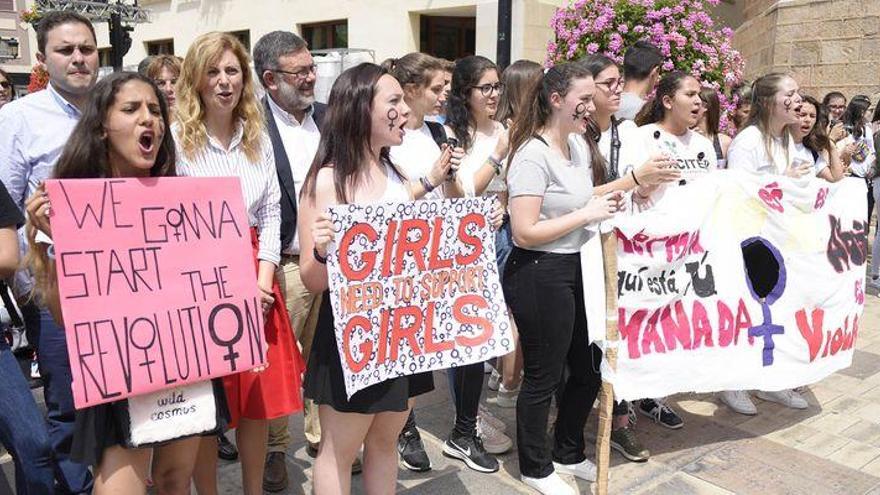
[(147, 143)]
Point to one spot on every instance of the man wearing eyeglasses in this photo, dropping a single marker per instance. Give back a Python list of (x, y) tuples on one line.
[(293, 119)]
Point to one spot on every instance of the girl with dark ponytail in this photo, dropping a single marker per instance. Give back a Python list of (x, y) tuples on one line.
[(551, 203)]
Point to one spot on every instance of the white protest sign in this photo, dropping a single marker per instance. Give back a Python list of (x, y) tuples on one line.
[(414, 288)]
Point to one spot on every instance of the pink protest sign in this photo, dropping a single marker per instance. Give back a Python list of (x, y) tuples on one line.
[(157, 282)]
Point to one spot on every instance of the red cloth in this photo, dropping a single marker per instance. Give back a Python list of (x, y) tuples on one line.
[(277, 390)]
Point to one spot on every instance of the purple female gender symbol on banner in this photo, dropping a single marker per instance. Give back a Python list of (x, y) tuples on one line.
[(766, 277)]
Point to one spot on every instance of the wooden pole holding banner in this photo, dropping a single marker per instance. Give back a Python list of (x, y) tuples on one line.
[(606, 396)]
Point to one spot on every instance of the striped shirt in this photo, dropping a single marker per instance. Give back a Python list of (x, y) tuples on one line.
[(259, 184)]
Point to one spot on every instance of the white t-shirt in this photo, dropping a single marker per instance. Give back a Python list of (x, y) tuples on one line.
[(416, 155), (631, 153), (692, 151), (481, 148), (863, 159), (630, 105), (747, 152), (802, 153)]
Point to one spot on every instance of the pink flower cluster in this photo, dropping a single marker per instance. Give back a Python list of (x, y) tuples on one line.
[(683, 30)]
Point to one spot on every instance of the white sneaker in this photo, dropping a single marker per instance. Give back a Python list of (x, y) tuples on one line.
[(490, 418), (494, 440), (739, 401), (584, 470), (506, 398), (788, 398), (494, 380), (549, 485)]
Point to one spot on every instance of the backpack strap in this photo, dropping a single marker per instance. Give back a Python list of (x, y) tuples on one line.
[(437, 132)]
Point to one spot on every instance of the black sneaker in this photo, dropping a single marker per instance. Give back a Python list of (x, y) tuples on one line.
[(412, 451), (660, 413), (624, 441), (470, 450)]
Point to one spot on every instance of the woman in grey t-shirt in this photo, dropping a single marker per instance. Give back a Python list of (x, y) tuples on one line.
[(551, 204)]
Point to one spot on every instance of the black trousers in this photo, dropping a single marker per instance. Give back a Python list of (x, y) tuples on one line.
[(545, 293)]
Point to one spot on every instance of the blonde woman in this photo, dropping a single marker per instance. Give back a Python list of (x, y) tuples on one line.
[(219, 132)]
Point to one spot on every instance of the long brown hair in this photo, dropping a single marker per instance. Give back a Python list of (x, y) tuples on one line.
[(519, 78), (817, 139), (536, 114), (85, 156), (713, 110), (764, 91), (347, 128), (596, 63)]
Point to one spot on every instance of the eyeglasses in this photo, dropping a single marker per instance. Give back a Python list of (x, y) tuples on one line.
[(302, 73), (611, 84), (487, 89)]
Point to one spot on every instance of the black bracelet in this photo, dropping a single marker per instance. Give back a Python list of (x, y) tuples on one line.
[(633, 172), (320, 259), (496, 164), (427, 184)]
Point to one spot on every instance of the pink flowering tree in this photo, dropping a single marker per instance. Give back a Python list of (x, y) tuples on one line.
[(682, 29)]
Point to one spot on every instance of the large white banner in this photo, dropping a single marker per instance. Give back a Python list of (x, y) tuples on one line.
[(414, 288), (739, 282)]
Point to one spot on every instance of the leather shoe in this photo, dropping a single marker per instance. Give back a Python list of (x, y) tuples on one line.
[(275, 473), (225, 449)]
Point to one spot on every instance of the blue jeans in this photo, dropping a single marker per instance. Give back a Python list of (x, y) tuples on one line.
[(503, 247), (52, 357), (22, 430)]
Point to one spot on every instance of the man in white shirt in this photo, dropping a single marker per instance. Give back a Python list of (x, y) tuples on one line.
[(287, 71), (641, 71)]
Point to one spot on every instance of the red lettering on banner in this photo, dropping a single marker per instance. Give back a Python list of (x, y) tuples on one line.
[(470, 240), (399, 332), (677, 329), (365, 347), (414, 247), (629, 331), (458, 312), (702, 327), (743, 322), (651, 336), (368, 257), (435, 262), (640, 328), (771, 195), (676, 246), (842, 338), (432, 345)]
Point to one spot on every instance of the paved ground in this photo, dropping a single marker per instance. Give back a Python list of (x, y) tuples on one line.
[(831, 448)]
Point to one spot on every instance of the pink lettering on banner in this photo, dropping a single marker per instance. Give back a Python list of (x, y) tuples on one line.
[(820, 198), (771, 195), (676, 246), (670, 327), (157, 283)]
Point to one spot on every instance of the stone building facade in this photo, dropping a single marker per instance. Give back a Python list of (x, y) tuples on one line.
[(826, 44)]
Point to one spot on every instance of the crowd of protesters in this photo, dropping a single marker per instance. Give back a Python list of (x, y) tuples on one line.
[(561, 149)]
